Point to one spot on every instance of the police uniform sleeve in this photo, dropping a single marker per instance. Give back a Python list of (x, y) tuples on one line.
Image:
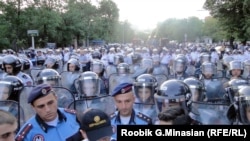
[(28, 80), (23, 132), (144, 118), (71, 111)]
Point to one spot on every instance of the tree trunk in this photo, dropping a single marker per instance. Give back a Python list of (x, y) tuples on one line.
[(231, 42)]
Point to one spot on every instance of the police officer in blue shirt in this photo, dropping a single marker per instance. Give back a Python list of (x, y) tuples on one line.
[(125, 114), (50, 122)]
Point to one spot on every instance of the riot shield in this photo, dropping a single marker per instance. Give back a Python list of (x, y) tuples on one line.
[(190, 70), (219, 65), (110, 69), (64, 96), (104, 103), (116, 79), (67, 80), (161, 69), (147, 109), (34, 72), (14, 108), (214, 90), (210, 113), (64, 67), (160, 78), (2, 74), (60, 68), (246, 71)]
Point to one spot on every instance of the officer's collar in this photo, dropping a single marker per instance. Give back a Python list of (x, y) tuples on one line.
[(44, 125), (132, 118)]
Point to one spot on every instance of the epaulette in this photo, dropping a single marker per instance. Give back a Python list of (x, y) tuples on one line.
[(112, 115), (144, 117), (24, 132), (71, 111)]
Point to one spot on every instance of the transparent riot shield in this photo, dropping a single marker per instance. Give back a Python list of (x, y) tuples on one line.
[(190, 70), (160, 78), (219, 65), (34, 72), (110, 69), (214, 90), (67, 80), (116, 79), (14, 108), (104, 103), (60, 68), (64, 97), (246, 71), (147, 109), (161, 69), (2, 74), (210, 113)]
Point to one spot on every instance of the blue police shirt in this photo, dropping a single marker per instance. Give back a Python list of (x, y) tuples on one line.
[(136, 118), (35, 129)]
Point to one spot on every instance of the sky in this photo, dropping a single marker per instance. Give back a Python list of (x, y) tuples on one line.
[(145, 14)]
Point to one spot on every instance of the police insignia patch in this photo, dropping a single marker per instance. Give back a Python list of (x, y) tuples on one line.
[(25, 77), (122, 91), (38, 137), (44, 91), (96, 118)]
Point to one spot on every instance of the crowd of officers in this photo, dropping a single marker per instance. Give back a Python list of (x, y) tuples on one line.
[(191, 85)]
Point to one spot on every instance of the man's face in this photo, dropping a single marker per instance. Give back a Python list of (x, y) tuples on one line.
[(195, 95), (46, 107), (124, 103), (179, 68), (72, 67), (8, 132), (236, 72), (89, 89), (144, 94), (52, 83), (208, 75), (50, 65), (97, 69), (9, 69)]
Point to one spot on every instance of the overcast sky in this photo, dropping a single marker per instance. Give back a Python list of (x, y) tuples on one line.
[(145, 14)]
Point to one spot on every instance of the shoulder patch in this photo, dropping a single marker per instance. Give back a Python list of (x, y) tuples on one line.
[(24, 132), (24, 76), (71, 111), (112, 116), (144, 117)]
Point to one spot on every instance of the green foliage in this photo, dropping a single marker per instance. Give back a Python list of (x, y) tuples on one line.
[(62, 21), (233, 16), (58, 21)]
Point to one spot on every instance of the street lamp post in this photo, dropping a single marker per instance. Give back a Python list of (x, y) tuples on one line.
[(90, 21), (123, 33)]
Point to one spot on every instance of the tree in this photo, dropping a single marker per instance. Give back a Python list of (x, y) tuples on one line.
[(233, 16), (108, 12), (213, 29)]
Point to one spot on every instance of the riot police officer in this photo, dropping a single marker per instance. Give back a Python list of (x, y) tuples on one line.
[(10, 88), (125, 114), (12, 66), (145, 86), (49, 76)]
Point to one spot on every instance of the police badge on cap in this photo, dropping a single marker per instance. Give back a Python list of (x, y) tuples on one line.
[(44, 91)]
